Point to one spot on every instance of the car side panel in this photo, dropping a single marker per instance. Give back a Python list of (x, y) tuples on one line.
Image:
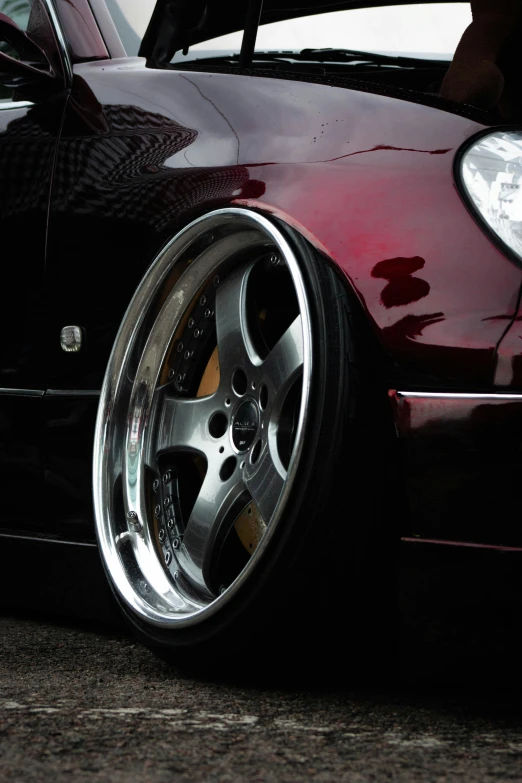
[(28, 134), (366, 178), (27, 147), (30, 121)]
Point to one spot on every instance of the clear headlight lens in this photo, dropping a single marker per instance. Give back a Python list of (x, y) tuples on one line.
[(492, 175)]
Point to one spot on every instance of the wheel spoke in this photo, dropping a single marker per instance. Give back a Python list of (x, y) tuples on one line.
[(212, 511), (182, 424), (266, 484), (286, 357), (232, 338)]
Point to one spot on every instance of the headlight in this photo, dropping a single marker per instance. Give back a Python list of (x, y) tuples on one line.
[(491, 172)]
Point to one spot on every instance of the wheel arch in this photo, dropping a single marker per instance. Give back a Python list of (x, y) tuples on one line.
[(337, 396), (296, 230)]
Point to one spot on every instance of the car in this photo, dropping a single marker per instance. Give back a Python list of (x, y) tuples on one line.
[(272, 297)]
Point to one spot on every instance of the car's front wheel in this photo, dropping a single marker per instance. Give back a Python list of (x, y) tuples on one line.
[(238, 452)]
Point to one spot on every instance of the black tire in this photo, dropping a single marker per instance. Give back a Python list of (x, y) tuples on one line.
[(325, 582)]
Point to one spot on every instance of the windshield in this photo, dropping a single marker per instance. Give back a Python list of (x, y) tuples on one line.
[(425, 30)]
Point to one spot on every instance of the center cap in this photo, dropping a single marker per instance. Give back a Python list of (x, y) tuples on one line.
[(245, 425)]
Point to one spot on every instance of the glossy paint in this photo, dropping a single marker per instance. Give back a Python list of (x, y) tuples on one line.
[(30, 121), (22, 492), (27, 144), (508, 370), (69, 431), (461, 461), (83, 35), (367, 178)]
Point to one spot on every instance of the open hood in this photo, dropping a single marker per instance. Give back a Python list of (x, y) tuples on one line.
[(176, 25)]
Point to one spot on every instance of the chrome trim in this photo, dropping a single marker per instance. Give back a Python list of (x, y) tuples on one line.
[(51, 392), (42, 540), (22, 392), (466, 544), (61, 40), (461, 395), (4, 105), (72, 393)]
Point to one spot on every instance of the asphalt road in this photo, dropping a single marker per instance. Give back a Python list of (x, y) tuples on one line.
[(80, 704)]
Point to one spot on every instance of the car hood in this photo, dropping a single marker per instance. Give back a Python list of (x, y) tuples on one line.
[(178, 24)]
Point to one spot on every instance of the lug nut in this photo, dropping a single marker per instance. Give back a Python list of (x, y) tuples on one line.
[(161, 535), (190, 323), (170, 523), (196, 332), (166, 502), (274, 259), (155, 485), (134, 522), (157, 510), (176, 543), (168, 558), (172, 373), (180, 347), (203, 301), (208, 312), (166, 478)]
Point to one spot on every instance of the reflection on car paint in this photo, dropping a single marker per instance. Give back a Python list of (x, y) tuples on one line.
[(367, 179), (508, 370), (403, 288), (462, 461), (380, 147), (164, 175)]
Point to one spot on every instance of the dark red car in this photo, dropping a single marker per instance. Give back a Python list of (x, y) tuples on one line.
[(278, 290)]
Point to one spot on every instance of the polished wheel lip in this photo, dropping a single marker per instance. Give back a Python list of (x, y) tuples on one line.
[(136, 599), (460, 395)]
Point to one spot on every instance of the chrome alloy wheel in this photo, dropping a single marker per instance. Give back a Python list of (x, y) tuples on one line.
[(202, 416)]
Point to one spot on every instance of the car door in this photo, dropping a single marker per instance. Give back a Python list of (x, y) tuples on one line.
[(31, 110)]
